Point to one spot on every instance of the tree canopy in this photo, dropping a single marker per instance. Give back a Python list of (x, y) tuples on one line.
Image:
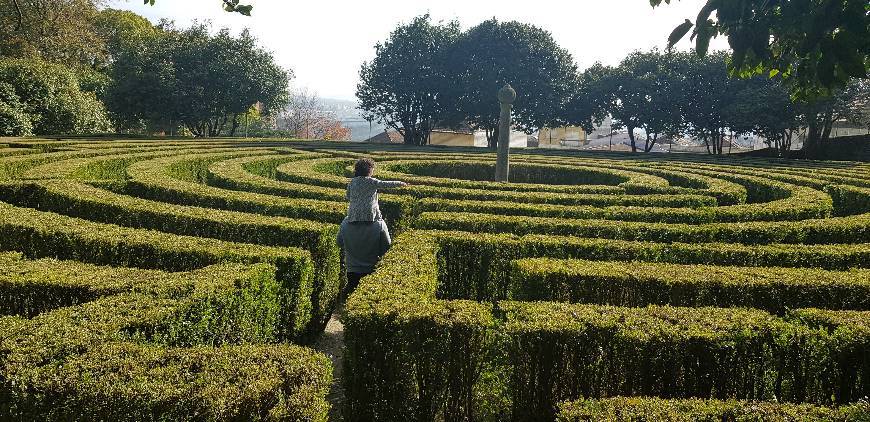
[(201, 81), (404, 87), (493, 54), (47, 99), (815, 45), (641, 93)]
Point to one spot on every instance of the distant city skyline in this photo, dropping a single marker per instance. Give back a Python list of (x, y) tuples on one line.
[(324, 43)]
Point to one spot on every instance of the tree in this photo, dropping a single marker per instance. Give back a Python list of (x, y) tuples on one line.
[(707, 93), (229, 6), (51, 97), (123, 32), (307, 117), (197, 80), (589, 106), (816, 45), (404, 86), (493, 54), (14, 120), (848, 104), (762, 106), (59, 31), (643, 93)]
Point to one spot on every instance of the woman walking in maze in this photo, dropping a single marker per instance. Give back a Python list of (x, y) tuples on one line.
[(363, 234)]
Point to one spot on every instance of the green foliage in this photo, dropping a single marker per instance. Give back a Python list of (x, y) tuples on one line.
[(404, 86), (105, 344), (57, 31), (849, 200), (191, 78), (401, 320), (79, 200), (642, 283), (624, 409), (42, 234), (124, 32), (479, 264), (14, 121), (640, 94), (828, 50), (52, 98), (494, 53)]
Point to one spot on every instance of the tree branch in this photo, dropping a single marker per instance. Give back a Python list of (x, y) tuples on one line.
[(20, 15)]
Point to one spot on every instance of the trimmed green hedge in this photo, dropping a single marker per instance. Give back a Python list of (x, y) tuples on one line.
[(409, 356), (152, 180), (562, 351), (477, 266), (43, 234), (643, 283), (852, 229), (620, 213), (240, 175), (631, 409), (321, 172), (478, 174), (148, 345), (525, 358), (80, 200), (849, 200)]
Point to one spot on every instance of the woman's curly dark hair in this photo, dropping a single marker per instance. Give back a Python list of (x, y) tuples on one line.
[(364, 167)]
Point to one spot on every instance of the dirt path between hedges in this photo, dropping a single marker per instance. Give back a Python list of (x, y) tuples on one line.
[(331, 343)]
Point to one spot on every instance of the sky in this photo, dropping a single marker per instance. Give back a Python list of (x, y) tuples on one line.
[(325, 42)]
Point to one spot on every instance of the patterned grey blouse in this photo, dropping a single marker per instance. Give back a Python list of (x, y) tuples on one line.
[(362, 192)]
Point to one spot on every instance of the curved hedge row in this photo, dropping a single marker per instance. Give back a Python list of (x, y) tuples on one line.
[(590, 275), (142, 345), (626, 409), (409, 312)]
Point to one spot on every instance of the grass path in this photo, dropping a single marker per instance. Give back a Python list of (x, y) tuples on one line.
[(331, 343)]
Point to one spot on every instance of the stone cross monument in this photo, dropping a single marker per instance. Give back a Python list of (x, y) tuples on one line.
[(506, 97)]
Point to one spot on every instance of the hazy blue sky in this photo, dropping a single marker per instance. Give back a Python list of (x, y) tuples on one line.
[(324, 42)]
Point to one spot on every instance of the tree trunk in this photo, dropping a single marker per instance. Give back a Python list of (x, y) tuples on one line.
[(235, 126), (631, 138), (492, 138), (648, 146), (826, 131)]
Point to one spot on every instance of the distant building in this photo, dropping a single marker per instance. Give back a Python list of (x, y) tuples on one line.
[(565, 136), (386, 137), (451, 138)]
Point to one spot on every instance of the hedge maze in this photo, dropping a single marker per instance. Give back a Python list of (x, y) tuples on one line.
[(186, 280)]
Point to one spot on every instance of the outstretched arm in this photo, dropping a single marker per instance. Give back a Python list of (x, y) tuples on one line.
[(385, 184)]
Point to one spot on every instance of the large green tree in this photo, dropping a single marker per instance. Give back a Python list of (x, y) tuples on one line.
[(406, 85), (815, 45), (122, 32), (197, 80), (51, 97), (493, 54), (642, 93), (59, 31)]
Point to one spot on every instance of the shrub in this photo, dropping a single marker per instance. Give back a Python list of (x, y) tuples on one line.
[(641, 283), (852, 229), (42, 234), (79, 200), (625, 409), (406, 319), (52, 97), (118, 353), (849, 200)]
